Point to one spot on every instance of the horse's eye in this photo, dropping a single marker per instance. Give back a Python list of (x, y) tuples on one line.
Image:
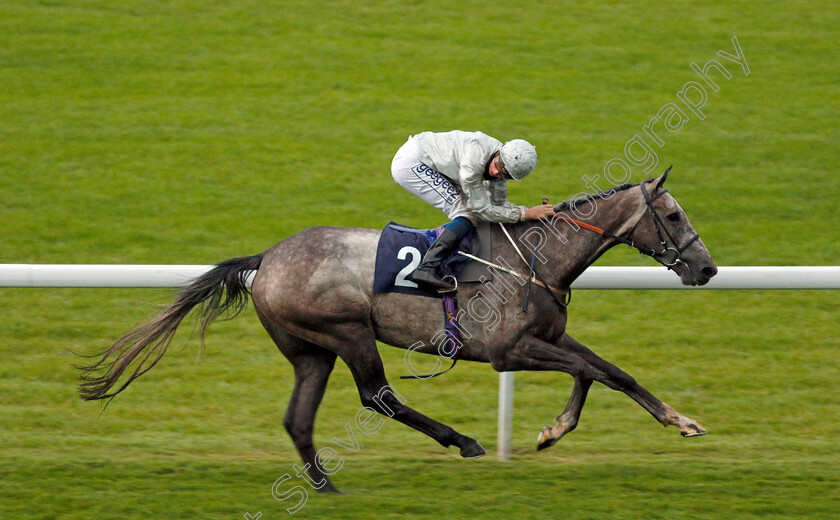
[(674, 217)]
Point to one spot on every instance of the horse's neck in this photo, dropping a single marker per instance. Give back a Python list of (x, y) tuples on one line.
[(569, 249)]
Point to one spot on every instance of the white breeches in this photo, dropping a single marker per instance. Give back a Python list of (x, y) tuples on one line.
[(429, 185)]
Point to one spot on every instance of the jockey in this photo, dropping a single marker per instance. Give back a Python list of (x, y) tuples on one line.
[(463, 174)]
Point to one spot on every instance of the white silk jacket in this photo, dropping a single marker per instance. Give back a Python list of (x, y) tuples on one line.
[(463, 158)]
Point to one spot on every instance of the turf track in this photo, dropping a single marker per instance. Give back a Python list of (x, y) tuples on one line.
[(192, 132)]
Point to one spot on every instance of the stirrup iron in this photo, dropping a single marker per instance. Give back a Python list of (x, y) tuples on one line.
[(454, 289)]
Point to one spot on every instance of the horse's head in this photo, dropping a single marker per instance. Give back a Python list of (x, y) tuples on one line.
[(665, 228)]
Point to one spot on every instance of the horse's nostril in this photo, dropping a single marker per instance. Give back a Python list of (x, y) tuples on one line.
[(709, 271)]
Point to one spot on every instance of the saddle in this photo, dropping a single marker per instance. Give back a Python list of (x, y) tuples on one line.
[(401, 248)]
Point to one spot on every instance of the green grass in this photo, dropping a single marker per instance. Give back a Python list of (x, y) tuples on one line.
[(192, 132)]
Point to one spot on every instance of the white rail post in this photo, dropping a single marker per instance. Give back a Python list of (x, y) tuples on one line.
[(505, 414)]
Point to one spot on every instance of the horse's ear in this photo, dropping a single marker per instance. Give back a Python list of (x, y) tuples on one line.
[(662, 179)]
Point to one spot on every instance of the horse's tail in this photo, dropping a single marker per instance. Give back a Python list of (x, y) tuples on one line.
[(222, 290)]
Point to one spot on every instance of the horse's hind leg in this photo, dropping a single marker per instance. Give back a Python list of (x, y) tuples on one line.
[(313, 366), (362, 357)]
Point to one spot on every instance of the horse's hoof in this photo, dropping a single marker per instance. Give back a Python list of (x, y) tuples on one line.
[(329, 488), (473, 450), (692, 430), (544, 439)]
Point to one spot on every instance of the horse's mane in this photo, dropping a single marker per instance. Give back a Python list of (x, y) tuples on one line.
[(586, 199)]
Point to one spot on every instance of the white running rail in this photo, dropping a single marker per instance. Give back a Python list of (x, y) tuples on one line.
[(747, 277), (112, 275)]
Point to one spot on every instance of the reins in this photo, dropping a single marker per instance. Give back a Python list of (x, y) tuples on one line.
[(603, 232), (564, 297), (661, 231), (658, 225)]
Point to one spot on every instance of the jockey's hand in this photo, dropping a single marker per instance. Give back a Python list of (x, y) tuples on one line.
[(538, 212)]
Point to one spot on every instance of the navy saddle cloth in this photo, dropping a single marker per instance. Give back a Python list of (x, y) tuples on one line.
[(400, 250)]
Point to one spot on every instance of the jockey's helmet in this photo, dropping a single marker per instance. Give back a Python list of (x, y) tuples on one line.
[(518, 158)]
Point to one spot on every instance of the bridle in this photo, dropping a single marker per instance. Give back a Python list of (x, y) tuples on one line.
[(660, 256), (660, 227)]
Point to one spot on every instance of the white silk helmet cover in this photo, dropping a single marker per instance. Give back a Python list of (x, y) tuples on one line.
[(519, 158)]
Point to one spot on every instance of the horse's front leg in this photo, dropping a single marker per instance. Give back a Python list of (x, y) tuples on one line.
[(531, 353), (567, 355), (613, 377), (568, 420)]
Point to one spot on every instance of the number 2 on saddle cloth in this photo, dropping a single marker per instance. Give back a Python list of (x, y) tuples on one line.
[(400, 250)]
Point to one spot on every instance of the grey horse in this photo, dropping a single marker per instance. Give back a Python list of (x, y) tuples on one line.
[(313, 294)]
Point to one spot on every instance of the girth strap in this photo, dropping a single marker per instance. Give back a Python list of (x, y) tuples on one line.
[(453, 339)]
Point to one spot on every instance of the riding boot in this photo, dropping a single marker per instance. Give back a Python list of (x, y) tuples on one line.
[(428, 272)]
